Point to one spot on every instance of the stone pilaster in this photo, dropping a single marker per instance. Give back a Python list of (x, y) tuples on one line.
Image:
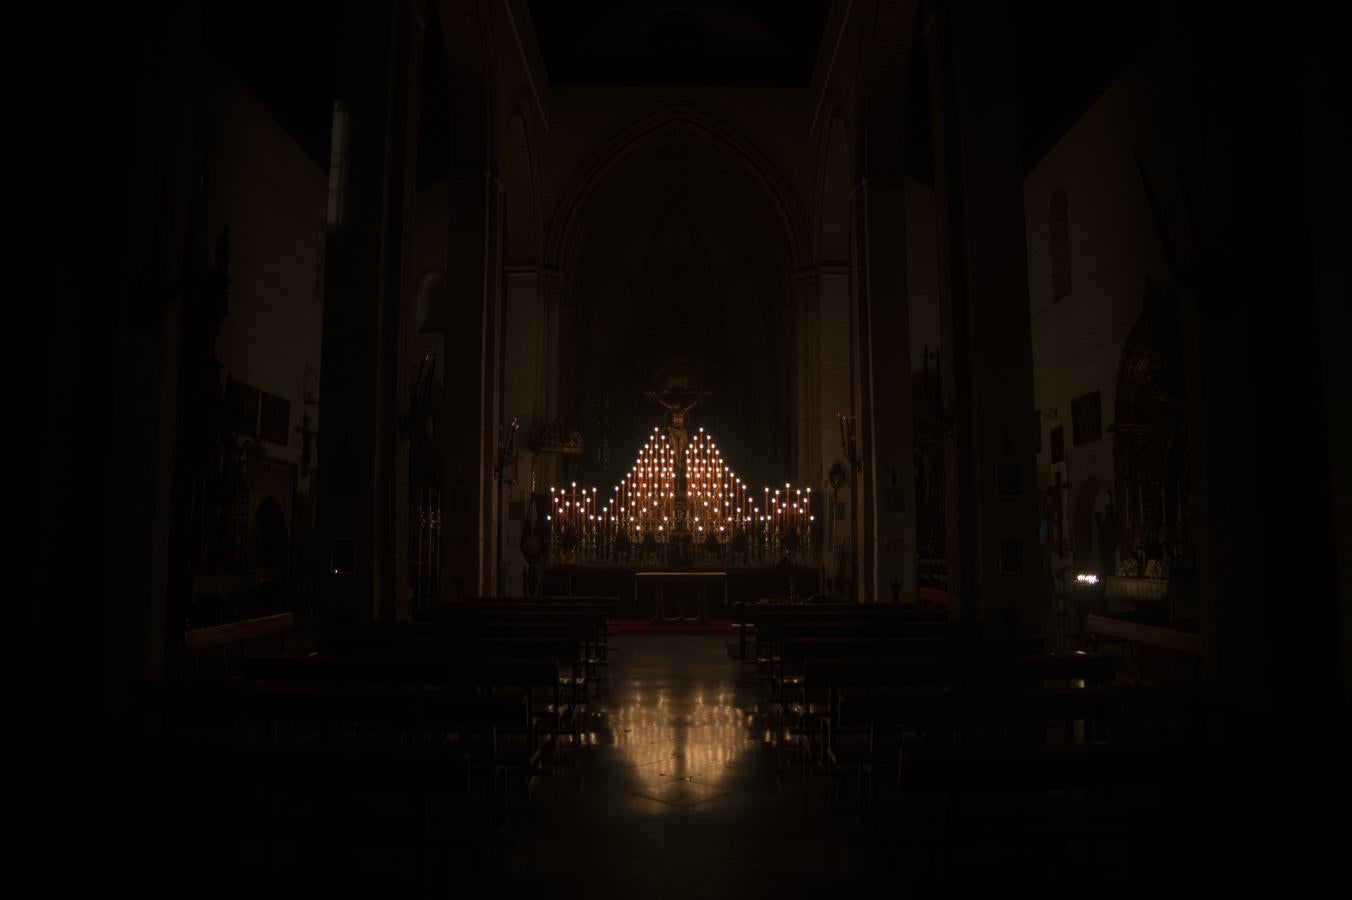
[(984, 298), (471, 411), (369, 186), (887, 427), (834, 398)]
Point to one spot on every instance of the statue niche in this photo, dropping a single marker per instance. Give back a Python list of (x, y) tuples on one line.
[(1151, 525)]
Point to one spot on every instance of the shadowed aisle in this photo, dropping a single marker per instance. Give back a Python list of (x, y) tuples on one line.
[(674, 793)]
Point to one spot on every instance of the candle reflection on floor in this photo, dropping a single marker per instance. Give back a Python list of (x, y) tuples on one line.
[(685, 738), (677, 724), (681, 783)]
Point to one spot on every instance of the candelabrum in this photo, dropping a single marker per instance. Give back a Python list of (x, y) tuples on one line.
[(688, 507)]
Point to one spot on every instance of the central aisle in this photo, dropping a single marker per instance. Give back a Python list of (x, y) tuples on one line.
[(674, 793)]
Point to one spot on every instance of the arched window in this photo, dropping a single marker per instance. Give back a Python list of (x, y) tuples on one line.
[(1060, 228)]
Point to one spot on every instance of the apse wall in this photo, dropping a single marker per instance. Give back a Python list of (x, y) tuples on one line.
[(679, 283), (273, 198), (1114, 257)]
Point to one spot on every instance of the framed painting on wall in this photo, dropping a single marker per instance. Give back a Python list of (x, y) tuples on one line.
[(1086, 418)]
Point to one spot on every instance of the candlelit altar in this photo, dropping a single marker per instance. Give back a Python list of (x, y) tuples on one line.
[(681, 509), (680, 515)]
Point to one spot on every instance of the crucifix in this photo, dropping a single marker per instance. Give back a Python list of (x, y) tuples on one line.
[(678, 405)]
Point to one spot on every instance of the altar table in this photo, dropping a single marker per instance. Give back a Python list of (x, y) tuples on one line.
[(701, 580)]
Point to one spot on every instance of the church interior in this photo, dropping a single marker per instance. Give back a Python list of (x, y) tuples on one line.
[(701, 449)]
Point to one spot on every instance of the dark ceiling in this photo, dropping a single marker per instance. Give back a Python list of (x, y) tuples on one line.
[(1067, 53), (763, 43), (284, 53)]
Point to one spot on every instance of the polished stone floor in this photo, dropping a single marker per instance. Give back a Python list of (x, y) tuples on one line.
[(677, 792)]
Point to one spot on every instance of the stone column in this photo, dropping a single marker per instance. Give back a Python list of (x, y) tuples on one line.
[(861, 405), (833, 343), (470, 415), (369, 183), (104, 324), (808, 453), (984, 298), (887, 428), (956, 390), (399, 370), (550, 372), (524, 356), (1327, 145), (1246, 254)]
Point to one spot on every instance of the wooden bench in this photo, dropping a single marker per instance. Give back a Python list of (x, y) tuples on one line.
[(894, 721), (536, 680), (754, 618), (284, 793), (236, 634), (772, 636), (834, 676), (605, 603), (591, 631), (567, 654), (786, 670), (412, 745), (590, 624), (1037, 796), (1140, 635)]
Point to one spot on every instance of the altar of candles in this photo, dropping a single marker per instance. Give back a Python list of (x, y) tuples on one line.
[(692, 500)]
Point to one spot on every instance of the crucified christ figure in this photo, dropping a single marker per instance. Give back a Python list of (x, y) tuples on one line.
[(678, 405)]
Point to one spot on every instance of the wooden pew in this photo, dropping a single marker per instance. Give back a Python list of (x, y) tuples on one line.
[(589, 624), (794, 652), (206, 791), (757, 618), (439, 740), (528, 677), (596, 618), (1082, 792), (1140, 635), (448, 615), (934, 721), (404, 711), (403, 672), (235, 634), (833, 676), (568, 654), (1000, 705), (960, 672), (591, 634), (605, 603), (772, 637)]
